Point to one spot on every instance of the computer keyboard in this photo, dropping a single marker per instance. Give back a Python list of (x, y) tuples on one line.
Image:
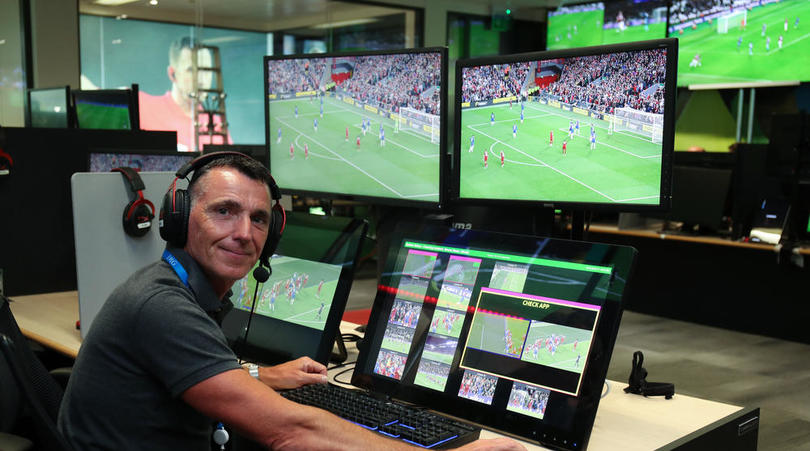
[(400, 421)]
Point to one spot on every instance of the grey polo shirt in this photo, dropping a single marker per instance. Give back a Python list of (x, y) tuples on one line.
[(154, 338)]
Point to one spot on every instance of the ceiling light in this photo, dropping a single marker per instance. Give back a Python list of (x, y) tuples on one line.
[(344, 23), (113, 2), (153, 2)]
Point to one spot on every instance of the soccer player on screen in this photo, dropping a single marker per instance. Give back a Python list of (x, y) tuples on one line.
[(321, 107), (593, 139), (472, 142), (570, 129), (576, 127), (786, 22), (320, 310), (503, 158), (768, 44), (347, 134), (739, 43), (292, 151), (514, 130), (278, 136), (486, 158), (306, 151), (796, 23), (492, 118), (521, 115), (358, 142), (779, 42), (382, 136), (551, 138), (765, 27), (296, 111), (565, 146), (695, 61), (320, 287), (751, 48), (315, 124)]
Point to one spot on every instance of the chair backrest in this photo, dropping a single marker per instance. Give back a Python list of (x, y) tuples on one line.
[(48, 390), (47, 437)]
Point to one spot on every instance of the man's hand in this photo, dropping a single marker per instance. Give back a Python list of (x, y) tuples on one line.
[(495, 444), (293, 374)]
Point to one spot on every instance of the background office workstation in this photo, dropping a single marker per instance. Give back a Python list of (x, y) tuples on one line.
[(678, 129)]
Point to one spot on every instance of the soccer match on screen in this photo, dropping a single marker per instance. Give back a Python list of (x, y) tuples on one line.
[(580, 129), (298, 291), (741, 42), (359, 125), (606, 23)]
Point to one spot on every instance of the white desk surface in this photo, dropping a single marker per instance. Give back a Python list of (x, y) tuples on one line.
[(623, 422)]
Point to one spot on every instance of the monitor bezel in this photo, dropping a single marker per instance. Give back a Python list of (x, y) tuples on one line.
[(379, 200), (667, 144), (69, 113), (131, 94), (503, 420)]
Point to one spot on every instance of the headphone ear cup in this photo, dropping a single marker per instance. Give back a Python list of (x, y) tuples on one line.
[(274, 234), (174, 214), (138, 223)]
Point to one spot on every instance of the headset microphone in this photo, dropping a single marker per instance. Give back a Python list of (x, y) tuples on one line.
[(262, 273)]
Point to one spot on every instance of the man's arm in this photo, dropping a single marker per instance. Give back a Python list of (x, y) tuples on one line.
[(263, 415)]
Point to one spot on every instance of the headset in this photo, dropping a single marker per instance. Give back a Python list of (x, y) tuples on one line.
[(139, 213), (6, 163), (638, 381), (176, 207)]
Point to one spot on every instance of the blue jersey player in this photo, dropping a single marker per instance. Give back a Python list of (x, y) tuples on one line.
[(514, 130), (315, 124), (492, 118), (321, 107), (593, 138), (278, 136), (296, 111), (576, 127), (521, 116), (570, 130), (472, 143), (382, 136)]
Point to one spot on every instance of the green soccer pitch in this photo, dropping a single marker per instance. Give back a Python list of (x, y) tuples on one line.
[(565, 357), (488, 333), (623, 168), (102, 116), (452, 300), (304, 311), (723, 62), (505, 279), (589, 29), (405, 168), (439, 316), (431, 381), (635, 33)]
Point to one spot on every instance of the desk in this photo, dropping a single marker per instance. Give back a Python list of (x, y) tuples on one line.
[(716, 282), (625, 422)]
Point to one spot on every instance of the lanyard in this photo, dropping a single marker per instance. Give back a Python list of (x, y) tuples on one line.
[(176, 266)]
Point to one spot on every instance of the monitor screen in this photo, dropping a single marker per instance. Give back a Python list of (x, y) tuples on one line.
[(591, 127), (512, 332), (634, 20), (145, 162), (298, 310), (575, 26), (740, 42), (111, 109), (49, 107), (359, 125), (699, 198)]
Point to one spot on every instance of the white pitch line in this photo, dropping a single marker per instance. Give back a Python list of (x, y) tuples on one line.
[(549, 166), (347, 161)]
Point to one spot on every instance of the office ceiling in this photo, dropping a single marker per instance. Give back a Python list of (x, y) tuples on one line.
[(271, 15)]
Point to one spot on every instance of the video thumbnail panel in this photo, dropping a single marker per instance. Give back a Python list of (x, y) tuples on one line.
[(478, 387), (500, 339), (528, 400)]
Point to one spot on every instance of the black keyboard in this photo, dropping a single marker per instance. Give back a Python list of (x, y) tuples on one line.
[(400, 421)]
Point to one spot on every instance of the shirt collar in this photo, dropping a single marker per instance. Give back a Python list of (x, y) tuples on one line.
[(199, 285)]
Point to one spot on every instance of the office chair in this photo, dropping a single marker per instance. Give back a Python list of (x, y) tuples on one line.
[(38, 394), (46, 437)]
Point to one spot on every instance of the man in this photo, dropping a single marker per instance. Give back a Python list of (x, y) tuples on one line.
[(155, 368), (173, 111)]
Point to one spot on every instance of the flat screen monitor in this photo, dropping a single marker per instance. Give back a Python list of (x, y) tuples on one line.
[(587, 128), (367, 126), (634, 20), (145, 161), (577, 25), (740, 42), (297, 311), (512, 332), (49, 107), (699, 198), (111, 109)]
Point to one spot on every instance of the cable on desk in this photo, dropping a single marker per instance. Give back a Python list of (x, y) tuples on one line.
[(338, 365), (350, 338), (335, 377), (607, 390)]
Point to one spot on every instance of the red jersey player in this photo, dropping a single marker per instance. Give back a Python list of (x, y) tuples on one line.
[(358, 143), (306, 151), (551, 138), (502, 158), (292, 151), (347, 134), (486, 157), (565, 146)]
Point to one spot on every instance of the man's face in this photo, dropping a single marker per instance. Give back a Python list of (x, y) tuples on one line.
[(228, 225), (183, 71)]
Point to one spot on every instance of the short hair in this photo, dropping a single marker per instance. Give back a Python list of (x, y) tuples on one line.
[(242, 163), (177, 46)]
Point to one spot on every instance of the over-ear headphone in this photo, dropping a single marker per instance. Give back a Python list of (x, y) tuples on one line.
[(5, 159), (176, 208), (139, 213)]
